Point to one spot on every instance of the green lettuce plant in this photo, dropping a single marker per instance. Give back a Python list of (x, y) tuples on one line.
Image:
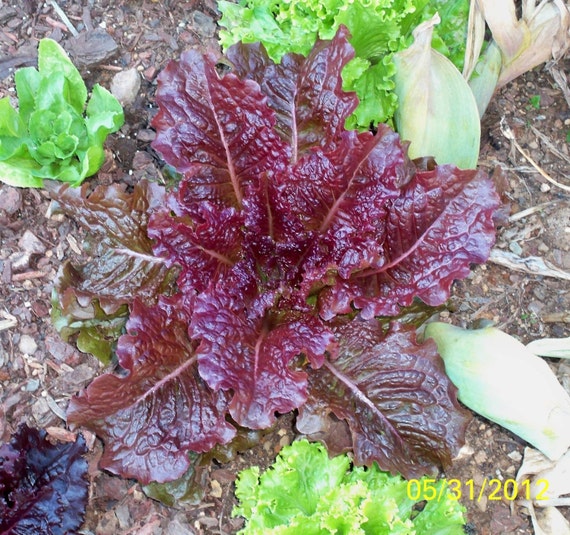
[(56, 132), (379, 29), (307, 492), (426, 67)]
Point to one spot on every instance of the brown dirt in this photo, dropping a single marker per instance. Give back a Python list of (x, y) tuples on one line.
[(39, 372)]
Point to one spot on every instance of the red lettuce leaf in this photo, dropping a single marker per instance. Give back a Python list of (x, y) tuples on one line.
[(206, 247), (251, 355), (160, 407), (124, 265), (400, 406), (305, 94), (43, 486), (344, 204), (440, 224), (217, 131)]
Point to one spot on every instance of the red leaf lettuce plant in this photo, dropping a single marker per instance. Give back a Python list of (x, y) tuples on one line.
[(290, 236)]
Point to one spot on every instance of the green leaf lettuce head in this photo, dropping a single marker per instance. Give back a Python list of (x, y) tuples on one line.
[(305, 491), (56, 132), (379, 29)]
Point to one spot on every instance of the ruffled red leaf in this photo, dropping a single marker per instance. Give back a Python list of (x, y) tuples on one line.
[(124, 265), (206, 247), (441, 223), (251, 356), (216, 130), (400, 406), (342, 197), (305, 93), (150, 416)]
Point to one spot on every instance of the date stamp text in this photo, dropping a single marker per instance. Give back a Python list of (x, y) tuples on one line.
[(490, 489)]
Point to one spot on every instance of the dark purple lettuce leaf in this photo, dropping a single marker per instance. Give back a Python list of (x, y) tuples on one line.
[(43, 486), (124, 265), (400, 406), (150, 416)]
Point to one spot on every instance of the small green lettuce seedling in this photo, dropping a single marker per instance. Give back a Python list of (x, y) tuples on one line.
[(55, 133), (305, 491)]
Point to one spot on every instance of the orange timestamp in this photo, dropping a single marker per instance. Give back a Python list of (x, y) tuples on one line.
[(430, 489)]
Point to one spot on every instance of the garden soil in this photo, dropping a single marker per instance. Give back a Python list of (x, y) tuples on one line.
[(39, 372)]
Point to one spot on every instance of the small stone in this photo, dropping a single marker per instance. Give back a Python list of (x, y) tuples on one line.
[(27, 345), (146, 135), (125, 86), (32, 385), (178, 526), (92, 48), (31, 244), (123, 515), (209, 522), (20, 260), (515, 455), (150, 73), (41, 411), (10, 199), (514, 247), (480, 457), (204, 25), (216, 491)]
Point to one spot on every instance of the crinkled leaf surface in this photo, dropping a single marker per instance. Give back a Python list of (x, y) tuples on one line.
[(305, 491), (401, 407), (160, 407), (299, 90), (282, 221), (217, 131), (123, 264), (251, 357), (440, 224), (43, 487)]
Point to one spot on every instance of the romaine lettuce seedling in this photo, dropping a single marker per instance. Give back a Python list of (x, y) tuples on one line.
[(56, 132)]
